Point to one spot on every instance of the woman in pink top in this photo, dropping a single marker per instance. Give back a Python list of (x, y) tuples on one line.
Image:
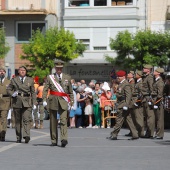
[(106, 105)]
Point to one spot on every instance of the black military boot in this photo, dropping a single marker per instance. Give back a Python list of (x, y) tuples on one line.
[(3, 136)]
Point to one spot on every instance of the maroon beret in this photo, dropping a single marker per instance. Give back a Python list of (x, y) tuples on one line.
[(121, 73)]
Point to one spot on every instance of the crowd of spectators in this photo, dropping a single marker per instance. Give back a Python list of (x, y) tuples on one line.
[(91, 99)]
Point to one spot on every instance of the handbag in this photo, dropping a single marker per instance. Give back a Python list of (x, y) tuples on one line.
[(78, 111)]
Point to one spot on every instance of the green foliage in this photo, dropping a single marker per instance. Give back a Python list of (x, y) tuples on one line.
[(55, 44), (144, 47), (4, 48)]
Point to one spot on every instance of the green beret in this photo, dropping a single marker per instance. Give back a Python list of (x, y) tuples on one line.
[(147, 66), (132, 72), (159, 70), (139, 72)]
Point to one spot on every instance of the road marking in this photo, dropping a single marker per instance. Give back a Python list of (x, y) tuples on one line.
[(4, 148), (117, 146)]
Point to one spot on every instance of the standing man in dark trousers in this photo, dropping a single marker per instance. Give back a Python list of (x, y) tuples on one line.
[(23, 95), (147, 89), (4, 103), (124, 95), (157, 96), (61, 95)]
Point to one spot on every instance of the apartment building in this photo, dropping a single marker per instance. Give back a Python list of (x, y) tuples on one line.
[(158, 15), (19, 18), (94, 22)]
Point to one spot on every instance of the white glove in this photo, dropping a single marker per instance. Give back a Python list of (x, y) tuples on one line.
[(34, 107), (136, 104), (44, 103), (125, 108), (155, 107), (149, 103), (15, 94), (168, 96), (72, 108)]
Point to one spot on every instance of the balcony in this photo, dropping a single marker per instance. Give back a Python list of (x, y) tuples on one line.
[(11, 7)]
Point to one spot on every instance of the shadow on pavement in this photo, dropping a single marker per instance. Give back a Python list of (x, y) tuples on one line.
[(166, 142)]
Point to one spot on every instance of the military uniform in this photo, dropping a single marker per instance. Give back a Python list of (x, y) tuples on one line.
[(57, 104), (124, 95), (157, 96), (4, 105), (137, 106), (22, 104), (147, 88)]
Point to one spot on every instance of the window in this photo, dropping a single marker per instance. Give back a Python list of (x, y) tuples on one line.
[(1, 24), (86, 42), (100, 48), (79, 2), (122, 2), (100, 2), (25, 29)]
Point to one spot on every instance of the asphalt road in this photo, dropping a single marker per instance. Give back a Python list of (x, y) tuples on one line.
[(88, 149)]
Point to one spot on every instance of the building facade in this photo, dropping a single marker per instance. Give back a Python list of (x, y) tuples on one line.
[(96, 21), (92, 21), (158, 15), (19, 18)]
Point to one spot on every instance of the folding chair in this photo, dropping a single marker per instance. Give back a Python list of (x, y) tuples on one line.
[(109, 112)]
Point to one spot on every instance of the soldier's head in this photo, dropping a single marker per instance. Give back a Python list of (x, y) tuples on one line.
[(147, 69), (120, 75), (138, 74), (130, 75), (158, 72), (2, 72), (22, 71), (59, 66)]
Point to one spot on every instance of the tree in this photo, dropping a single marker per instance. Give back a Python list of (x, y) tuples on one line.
[(42, 49), (4, 48), (144, 47)]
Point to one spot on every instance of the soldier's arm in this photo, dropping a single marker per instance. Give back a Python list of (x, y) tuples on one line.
[(160, 90), (128, 95), (32, 91), (10, 88), (150, 83), (45, 89)]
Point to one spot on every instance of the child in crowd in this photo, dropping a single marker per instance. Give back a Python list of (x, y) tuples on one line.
[(88, 108)]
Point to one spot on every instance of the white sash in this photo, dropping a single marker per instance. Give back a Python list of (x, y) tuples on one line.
[(58, 87)]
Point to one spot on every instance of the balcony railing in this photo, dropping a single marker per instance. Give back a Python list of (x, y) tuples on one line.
[(45, 6)]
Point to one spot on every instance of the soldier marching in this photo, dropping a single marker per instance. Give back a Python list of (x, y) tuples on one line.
[(140, 103)]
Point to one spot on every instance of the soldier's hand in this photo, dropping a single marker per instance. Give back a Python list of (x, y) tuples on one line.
[(15, 94), (34, 107), (149, 103), (44, 103), (125, 108), (155, 107)]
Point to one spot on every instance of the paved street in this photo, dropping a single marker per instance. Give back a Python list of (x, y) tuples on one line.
[(88, 149)]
